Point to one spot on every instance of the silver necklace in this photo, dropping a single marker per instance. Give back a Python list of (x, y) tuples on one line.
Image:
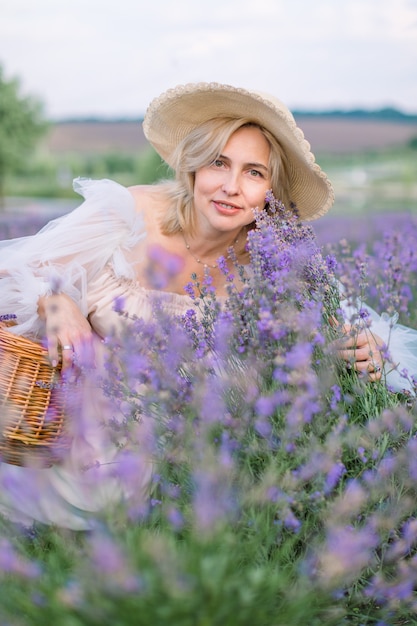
[(197, 259)]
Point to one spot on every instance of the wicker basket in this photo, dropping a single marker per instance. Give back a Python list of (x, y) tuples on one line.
[(33, 403)]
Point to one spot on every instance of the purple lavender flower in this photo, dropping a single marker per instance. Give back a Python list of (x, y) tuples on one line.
[(346, 552), (109, 562), (333, 476), (11, 562)]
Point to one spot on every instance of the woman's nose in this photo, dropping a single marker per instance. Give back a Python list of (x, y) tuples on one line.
[(231, 184)]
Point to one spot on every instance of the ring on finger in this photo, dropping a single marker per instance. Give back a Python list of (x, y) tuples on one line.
[(68, 347)]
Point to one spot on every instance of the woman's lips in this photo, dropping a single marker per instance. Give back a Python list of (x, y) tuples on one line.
[(225, 208)]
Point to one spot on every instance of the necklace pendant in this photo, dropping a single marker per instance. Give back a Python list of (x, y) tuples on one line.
[(197, 260)]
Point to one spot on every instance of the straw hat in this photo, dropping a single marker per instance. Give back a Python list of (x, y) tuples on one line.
[(170, 117)]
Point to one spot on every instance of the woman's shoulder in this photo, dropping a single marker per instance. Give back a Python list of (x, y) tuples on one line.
[(139, 200)]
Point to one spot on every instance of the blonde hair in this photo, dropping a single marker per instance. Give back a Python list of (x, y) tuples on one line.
[(201, 147)]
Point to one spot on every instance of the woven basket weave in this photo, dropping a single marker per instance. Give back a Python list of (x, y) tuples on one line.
[(33, 403)]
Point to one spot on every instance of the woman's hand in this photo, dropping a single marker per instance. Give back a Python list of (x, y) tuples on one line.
[(68, 333), (361, 349)]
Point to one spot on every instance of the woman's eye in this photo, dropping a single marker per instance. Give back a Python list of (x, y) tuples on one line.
[(255, 173), (217, 162)]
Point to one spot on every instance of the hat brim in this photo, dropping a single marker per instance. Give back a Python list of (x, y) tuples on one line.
[(173, 115)]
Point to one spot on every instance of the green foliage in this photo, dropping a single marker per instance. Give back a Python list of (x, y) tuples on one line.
[(373, 181), (158, 580), (386, 114), (21, 125), (50, 176)]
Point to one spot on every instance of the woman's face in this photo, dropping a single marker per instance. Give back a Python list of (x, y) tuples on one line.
[(227, 190)]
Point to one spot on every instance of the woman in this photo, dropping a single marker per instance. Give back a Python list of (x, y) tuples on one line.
[(228, 147)]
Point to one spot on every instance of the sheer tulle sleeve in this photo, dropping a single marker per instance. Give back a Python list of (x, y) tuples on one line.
[(400, 368), (68, 252)]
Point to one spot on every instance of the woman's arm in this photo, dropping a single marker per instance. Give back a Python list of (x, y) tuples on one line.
[(67, 331)]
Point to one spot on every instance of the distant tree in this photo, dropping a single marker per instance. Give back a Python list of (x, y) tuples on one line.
[(21, 126)]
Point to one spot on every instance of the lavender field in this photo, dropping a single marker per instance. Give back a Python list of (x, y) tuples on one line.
[(284, 489)]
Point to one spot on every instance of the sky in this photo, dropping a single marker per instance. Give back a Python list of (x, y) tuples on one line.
[(111, 58)]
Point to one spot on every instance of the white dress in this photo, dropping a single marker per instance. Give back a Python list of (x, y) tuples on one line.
[(84, 254)]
